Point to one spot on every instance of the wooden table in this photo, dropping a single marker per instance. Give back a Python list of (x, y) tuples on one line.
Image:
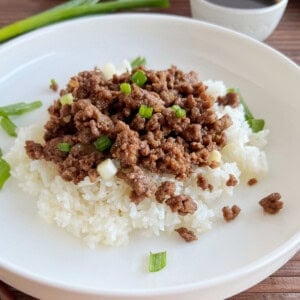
[(285, 283)]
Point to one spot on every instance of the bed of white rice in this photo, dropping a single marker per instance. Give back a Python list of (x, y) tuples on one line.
[(102, 213)]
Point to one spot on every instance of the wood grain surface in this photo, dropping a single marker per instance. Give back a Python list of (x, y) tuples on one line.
[(283, 284)]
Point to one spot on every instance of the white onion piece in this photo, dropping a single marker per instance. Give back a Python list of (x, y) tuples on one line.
[(109, 70), (107, 169), (124, 67)]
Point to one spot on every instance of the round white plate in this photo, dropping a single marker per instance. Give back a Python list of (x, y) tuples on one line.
[(48, 263)]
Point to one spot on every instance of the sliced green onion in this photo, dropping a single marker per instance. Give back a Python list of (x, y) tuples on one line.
[(66, 99), (64, 147), (145, 111), (255, 124), (138, 62), (139, 78), (72, 9), (8, 126), (53, 85), (125, 88), (103, 143), (157, 261), (179, 112), (4, 172), (19, 108)]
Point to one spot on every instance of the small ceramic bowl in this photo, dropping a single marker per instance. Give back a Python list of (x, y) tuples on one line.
[(258, 23)]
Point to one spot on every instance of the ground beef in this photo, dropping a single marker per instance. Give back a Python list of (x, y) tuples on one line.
[(231, 99), (252, 181), (182, 204), (230, 213), (165, 191), (163, 143), (272, 204), (34, 150), (186, 234), (232, 181), (203, 183), (142, 186)]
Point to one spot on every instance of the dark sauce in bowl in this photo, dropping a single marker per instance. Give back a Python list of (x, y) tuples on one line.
[(244, 3)]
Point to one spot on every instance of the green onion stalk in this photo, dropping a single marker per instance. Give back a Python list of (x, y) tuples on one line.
[(73, 9)]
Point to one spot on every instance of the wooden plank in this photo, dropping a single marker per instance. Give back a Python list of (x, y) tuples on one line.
[(266, 296), (277, 285)]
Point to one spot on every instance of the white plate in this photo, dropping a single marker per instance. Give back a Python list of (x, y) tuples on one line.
[(48, 263)]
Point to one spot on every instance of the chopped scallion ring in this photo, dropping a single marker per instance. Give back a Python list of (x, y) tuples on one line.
[(157, 261), (138, 61), (103, 143), (179, 112), (64, 147), (66, 99), (139, 78), (145, 111), (125, 88)]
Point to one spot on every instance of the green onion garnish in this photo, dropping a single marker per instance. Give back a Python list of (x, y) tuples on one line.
[(64, 147), (19, 108), (138, 62), (139, 78), (72, 9), (145, 111), (4, 172), (66, 99), (103, 143), (179, 112), (157, 261), (8, 126), (125, 88), (53, 85), (255, 124)]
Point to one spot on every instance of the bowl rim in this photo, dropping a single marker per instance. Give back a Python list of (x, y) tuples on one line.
[(233, 10)]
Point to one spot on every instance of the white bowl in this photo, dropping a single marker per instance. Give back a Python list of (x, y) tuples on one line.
[(258, 23)]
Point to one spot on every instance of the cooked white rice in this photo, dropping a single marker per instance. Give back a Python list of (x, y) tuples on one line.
[(102, 213)]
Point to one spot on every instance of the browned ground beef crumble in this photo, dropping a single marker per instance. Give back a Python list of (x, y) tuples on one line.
[(272, 204), (186, 234), (163, 144), (230, 213), (252, 181)]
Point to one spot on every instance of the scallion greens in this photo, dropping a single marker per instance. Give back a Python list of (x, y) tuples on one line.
[(138, 62), (145, 111), (125, 88), (19, 108), (157, 261), (179, 112), (103, 143), (8, 126), (255, 124), (4, 172), (139, 78), (64, 147), (72, 9)]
